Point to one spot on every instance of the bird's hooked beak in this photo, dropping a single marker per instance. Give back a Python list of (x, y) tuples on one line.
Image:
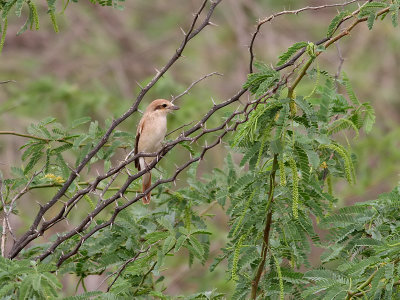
[(174, 107)]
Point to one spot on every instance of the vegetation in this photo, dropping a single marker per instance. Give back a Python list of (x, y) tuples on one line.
[(294, 145)]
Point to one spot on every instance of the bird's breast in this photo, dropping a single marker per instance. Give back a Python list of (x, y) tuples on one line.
[(153, 134)]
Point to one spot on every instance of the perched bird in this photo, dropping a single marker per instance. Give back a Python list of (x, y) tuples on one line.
[(149, 136)]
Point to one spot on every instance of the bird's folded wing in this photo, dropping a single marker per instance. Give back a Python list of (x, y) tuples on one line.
[(138, 133)]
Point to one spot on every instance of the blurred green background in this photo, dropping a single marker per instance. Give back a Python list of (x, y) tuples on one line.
[(91, 68)]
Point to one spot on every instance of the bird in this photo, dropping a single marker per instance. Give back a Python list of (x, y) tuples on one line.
[(150, 134)]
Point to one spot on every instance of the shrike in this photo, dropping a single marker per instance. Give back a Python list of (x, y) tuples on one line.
[(149, 136)]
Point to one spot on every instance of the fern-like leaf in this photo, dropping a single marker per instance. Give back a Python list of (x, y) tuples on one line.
[(289, 53), (335, 23)]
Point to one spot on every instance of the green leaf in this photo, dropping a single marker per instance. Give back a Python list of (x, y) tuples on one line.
[(18, 7), (168, 244), (7, 288), (33, 149), (18, 172), (289, 53), (153, 237), (63, 165), (28, 21), (371, 20), (200, 231), (197, 249), (80, 121), (26, 287), (342, 124), (371, 8), (395, 14), (369, 118), (93, 129), (313, 157), (350, 91), (180, 242), (335, 22), (276, 146), (79, 140), (47, 121), (187, 147), (36, 282), (85, 296), (33, 161), (256, 81), (6, 8), (60, 149), (167, 224)]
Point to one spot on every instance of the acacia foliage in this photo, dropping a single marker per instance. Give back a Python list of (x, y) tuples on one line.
[(292, 155)]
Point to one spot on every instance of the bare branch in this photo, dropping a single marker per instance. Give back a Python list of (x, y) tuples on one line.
[(174, 98)]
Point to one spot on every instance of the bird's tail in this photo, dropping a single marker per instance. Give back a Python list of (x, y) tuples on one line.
[(146, 180), (146, 183)]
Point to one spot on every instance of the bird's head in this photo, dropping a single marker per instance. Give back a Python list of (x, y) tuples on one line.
[(161, 106)]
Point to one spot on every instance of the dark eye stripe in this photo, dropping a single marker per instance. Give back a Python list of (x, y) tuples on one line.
[(161, 106)]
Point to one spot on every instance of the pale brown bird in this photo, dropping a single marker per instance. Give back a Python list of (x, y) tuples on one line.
[(149, 136)]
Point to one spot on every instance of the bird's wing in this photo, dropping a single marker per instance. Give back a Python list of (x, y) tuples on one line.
[(138, 133)]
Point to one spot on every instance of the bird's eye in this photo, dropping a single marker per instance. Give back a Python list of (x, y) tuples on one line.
[(164, 105)]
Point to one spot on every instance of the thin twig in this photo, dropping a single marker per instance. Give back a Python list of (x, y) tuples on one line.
[(24, 135), (180, 127), (174, 98)]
